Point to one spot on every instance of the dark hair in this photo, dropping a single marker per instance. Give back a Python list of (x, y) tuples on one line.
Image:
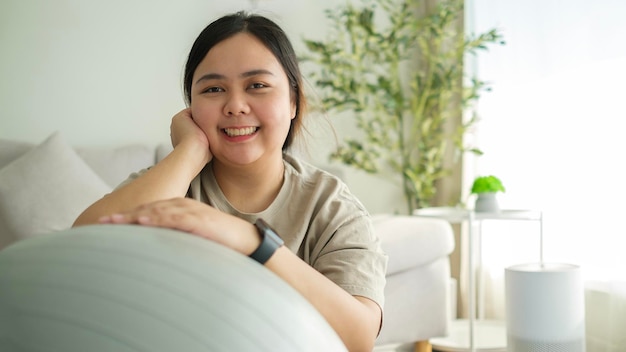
[(271, 35)]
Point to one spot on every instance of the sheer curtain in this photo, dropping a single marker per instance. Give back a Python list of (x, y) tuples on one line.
[(553, 130)]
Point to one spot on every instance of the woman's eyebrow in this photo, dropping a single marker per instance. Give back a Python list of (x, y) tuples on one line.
[(256, 72), (211, 76)]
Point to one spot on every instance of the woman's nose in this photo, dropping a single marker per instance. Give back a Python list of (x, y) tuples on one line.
[(236, 105)]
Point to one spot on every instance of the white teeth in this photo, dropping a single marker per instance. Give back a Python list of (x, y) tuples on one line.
[(235, 132)]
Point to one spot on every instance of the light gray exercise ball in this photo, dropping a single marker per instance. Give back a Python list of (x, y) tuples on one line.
[(130, 288)]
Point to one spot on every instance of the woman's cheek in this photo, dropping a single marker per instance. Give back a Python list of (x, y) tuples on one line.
[(204, 118)]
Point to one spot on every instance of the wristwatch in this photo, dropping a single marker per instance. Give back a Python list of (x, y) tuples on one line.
[(270, 242)]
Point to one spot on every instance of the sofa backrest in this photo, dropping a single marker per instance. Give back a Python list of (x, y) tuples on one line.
[(113, 165)]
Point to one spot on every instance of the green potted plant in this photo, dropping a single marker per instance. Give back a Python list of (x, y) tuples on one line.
[(486, 188), (399, 69)]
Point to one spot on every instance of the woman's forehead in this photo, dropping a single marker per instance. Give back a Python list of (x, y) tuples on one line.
[(239, 54)]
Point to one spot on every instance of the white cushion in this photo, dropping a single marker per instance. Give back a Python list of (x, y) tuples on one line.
[(114, 165), (44, 190)]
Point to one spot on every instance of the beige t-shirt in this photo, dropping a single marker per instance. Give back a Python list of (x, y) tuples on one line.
[(319, 220)]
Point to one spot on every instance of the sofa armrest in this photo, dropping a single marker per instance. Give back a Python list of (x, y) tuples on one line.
[(410, 241)]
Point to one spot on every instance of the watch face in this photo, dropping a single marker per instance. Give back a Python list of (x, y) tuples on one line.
[(266, 230), (273, 236)]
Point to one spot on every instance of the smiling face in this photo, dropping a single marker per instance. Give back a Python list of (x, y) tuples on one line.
[(240, 98)]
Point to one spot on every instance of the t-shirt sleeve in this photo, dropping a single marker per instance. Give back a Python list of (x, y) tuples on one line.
[(351, 257)]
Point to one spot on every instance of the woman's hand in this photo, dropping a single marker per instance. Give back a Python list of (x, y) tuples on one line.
[(183, 129), (194, 217)]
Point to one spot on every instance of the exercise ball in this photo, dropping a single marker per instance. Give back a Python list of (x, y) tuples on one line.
[(130, 288)]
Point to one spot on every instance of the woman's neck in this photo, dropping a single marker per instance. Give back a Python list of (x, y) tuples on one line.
[(251, 188)]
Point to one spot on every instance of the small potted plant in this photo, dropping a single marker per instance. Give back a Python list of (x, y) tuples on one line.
[(485, 188)]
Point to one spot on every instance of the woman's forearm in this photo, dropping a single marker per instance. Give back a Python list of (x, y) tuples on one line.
[(355, 319), (170, 178)]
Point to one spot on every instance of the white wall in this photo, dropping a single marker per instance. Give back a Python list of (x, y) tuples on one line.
[(110, 72)]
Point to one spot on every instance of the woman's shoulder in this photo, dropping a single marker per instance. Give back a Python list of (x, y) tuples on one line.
[(307, 173), (318, 184)]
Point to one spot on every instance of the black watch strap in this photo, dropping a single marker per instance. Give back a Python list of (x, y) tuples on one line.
[(270, 242)]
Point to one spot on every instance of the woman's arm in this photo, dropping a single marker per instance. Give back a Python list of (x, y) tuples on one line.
[(355, 319), (170, 178)]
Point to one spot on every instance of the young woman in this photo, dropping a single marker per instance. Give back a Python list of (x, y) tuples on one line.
[(230, 180)]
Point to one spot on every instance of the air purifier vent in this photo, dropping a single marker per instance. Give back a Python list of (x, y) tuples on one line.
[(521, 345)]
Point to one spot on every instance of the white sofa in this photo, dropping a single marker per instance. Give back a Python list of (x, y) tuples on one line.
[(44, 187)]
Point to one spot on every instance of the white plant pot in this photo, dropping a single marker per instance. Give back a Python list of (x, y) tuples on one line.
[(487, 203)]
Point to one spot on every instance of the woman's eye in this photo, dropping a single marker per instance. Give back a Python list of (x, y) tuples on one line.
[(212, 90), (257, 85)]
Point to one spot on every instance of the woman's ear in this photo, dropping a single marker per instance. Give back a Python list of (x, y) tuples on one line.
[(294, 109)]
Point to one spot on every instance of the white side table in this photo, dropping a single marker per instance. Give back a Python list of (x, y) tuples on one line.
[(472, 334)]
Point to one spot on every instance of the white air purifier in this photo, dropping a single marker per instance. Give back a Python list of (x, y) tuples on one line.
[(545, 308)]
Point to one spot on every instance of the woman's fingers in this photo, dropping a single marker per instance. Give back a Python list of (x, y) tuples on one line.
[(194, 217), (184, 129), (160, 213), (179, 213)]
